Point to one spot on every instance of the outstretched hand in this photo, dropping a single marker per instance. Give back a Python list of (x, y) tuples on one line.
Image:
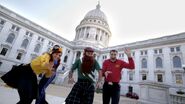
[(127, 52)]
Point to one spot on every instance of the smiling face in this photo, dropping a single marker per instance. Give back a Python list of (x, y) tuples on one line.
[(113, 54), (56, 56)]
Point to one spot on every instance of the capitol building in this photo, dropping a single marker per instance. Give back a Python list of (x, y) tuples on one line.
[(158, 60)]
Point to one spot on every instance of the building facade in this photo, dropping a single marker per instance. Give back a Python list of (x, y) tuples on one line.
[(158, 60)]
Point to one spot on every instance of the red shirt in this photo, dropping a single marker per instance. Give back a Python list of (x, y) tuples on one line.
[(115, 68)]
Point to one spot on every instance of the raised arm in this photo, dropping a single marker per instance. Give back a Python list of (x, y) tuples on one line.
[(130, 64)]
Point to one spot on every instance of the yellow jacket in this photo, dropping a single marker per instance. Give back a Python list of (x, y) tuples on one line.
[(38, 65)]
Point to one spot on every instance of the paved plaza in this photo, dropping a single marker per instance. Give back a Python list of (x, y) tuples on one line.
[(55, 95)]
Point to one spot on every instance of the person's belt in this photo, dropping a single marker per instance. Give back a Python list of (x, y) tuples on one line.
[(112, 83)]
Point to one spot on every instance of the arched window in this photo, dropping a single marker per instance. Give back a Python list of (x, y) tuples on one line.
[(144, 63), (10, 38), (177, 62), (25, 43), (65, 58), (37, 48), (159, 63)]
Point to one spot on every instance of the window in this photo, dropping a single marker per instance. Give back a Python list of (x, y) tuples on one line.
[(143, 52), (177, 62), (10, 38), (78, 54), (172, 49), (144, 63), (155, 51), (31, 34), (133, 53), (144, 77), (4, 51), (158, 62), (37, 48), (15, 28), (50, 43), (179, 79), (19, 56), (159, 78), (1, 63), (131, 76), (65, 59), (121, 55), (175, 49), (39, 38), (87, 35), (2, 22), (27, 33), (160, 51), (104, 57), (178, 49), (42, 39), (25, 43), (96, 37)]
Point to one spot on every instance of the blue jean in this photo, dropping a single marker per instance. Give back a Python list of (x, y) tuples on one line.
[(43, 84)]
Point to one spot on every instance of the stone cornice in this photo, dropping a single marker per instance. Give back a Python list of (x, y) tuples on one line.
[(173, 39)]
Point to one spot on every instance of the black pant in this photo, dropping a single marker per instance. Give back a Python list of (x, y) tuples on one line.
[(27, 85), (111, 92)]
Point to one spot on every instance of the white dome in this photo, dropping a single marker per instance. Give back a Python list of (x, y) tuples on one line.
[(96, 13)]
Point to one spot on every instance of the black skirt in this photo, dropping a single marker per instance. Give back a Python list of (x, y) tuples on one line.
[(22, 77)]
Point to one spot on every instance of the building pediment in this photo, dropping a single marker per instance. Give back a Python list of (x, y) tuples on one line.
[(143, 71), (159, 71), (178, 71)]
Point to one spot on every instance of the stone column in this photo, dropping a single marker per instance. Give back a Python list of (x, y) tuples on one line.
[(84, 33)]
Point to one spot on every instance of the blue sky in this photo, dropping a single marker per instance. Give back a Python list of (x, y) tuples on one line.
[(129, 20)]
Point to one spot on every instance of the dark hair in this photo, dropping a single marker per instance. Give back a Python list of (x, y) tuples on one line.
[(55, 47), (89, 49), (51, 59), (113, 51)]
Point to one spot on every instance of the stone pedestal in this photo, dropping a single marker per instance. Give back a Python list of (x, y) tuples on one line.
[(154, 93)]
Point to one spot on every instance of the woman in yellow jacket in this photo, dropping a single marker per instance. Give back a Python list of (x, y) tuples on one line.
[(24, 77)]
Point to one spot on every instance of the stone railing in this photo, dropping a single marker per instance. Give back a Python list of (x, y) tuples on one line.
[(177, 99)]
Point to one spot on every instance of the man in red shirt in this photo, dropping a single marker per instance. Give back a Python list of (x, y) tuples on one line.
[(112, 72)]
